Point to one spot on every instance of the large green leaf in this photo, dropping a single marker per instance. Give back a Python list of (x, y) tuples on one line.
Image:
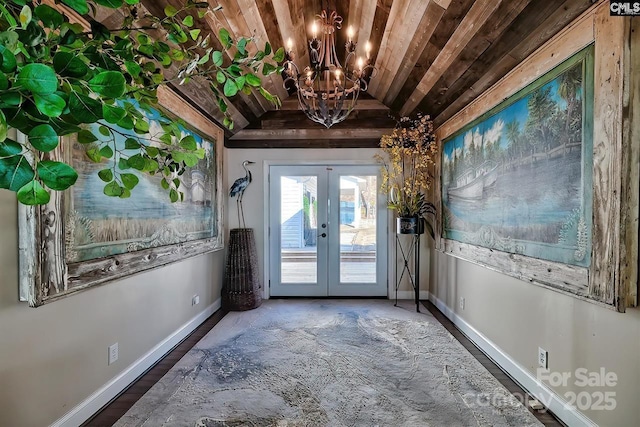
[(136, 162), (57, 175), (32, 193), (10, 148), (79, 6), (68, 64), (253, 80), (106, 152), (113, 113), (49, 104), (4, 82), (225, 38), (15, 172), (131, 144), (217, 58), (106, 175), (133, 68), (170, 11), (43, 138), (112, 189), (8, 63), (86, 137), (189, 143), (129, 180), (230, 88), (108, 83), (268, 69), (38, 78), (49, 16), (85, 109), (279, 55)]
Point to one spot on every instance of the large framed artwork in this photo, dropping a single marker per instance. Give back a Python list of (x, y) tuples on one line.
[(83, 238), (519, 178), (538, 176)]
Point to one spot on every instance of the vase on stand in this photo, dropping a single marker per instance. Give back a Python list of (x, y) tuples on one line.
[(410, 225)]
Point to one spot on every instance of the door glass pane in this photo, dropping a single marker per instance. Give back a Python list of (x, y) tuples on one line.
[(298, 231), (358, 229)]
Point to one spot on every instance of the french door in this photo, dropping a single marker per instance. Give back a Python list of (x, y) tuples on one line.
[(327, 231)]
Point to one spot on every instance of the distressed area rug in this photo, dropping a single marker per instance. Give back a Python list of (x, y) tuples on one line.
[(328, 363)]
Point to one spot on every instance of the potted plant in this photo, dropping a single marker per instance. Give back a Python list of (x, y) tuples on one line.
[(409, 153)]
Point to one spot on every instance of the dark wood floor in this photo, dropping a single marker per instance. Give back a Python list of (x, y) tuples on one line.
[(114, 410)]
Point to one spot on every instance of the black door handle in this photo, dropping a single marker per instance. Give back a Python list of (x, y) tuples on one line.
[(323, 235)]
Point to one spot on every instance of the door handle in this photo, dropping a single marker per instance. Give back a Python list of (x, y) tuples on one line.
[(322, 235)]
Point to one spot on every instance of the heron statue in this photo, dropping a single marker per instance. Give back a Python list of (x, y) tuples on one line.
[(238, 188)]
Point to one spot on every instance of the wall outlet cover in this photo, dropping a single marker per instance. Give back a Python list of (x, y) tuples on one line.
[(113, 353), (543, 358)]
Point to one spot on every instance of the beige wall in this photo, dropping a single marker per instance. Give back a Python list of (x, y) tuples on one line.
[(55, 356), (519, 317)]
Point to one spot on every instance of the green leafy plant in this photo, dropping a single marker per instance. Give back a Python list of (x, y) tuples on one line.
[(59, 77), (409, 153)]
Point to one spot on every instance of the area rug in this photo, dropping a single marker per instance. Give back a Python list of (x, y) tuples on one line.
[(328, 363)]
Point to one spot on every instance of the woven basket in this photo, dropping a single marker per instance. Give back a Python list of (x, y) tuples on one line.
[(242, 288)]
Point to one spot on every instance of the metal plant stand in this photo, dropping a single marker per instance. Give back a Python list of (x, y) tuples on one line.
[(410, 253)]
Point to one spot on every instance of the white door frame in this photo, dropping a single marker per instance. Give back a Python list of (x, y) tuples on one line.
[(266, 166)]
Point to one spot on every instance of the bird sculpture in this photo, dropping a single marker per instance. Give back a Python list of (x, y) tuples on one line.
[(238, 188)]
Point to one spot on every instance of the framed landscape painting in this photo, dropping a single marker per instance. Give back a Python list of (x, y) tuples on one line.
[(84, 238), (100, 226), (519, 178)]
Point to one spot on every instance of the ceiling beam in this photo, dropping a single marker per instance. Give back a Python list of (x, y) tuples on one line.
[(451, 19), (289, 30), (415, 48), (362, 14), (486, 38), (403, 23), (250, 13), (518, 42), (472, 22), (358, 119), (332, 143), (378, 28)]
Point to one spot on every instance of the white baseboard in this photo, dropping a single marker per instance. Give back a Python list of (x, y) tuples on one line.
[(92, 404), (554, 402), (424, 295)]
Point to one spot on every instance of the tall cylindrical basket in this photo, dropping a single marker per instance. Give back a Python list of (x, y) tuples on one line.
[(242, 288)]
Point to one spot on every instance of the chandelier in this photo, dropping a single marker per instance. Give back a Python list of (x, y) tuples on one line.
[(327, 91)]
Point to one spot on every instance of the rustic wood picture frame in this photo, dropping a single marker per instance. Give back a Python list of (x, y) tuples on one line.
[(45, 274), (611, 278)]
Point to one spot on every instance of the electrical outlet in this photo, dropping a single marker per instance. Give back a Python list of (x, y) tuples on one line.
[(195, 300), (113, 353), (462, 302), (543, 358)]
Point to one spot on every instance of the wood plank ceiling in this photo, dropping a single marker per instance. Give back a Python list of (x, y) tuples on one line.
[(430, 56)]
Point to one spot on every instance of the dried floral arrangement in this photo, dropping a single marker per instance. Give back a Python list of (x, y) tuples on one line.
[(408, 158)]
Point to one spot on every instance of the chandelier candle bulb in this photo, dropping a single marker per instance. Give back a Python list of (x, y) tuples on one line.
[(314, 30), (350, 33), (289, 44), (367, 49)]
